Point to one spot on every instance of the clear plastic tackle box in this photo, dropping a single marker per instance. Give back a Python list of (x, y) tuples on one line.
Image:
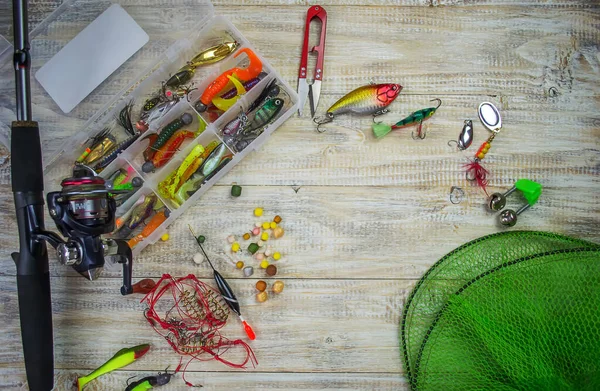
[(178, 30)]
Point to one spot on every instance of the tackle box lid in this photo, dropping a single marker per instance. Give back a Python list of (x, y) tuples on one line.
[(170, 25)]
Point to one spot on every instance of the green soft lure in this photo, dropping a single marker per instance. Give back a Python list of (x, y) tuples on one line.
[(121, 359), (380, 130)]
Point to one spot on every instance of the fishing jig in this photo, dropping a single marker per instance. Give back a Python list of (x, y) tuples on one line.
[(166, 151), (124, 118), (166, 134), (380, 129), (152, 225), (263, 116), (213, 54), (157, 113), (226, 291), (490, 118), (367, 100), (121, 359), (465, 138), (243, 74), (150, 382), (180, 77)]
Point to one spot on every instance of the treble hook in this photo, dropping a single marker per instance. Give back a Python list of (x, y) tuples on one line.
[(439, 102), (420, 134), (327, 119)]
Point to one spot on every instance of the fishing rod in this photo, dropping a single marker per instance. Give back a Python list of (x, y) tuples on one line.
[(82, 211)]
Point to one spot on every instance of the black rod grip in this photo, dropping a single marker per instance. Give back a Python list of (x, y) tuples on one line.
[(26, 157), (35, 309)]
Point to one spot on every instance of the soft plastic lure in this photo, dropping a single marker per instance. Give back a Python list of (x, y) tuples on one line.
[(168, 186), (243, 74), (170, 129), (224, 104), (152, 225), (380, 129), (367, 100), (121, 359), (166, 152), (213, 54)]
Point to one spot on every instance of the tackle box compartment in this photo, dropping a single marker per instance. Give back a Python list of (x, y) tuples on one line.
[(178, 30)]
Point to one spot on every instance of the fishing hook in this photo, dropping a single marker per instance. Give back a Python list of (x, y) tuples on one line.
[(456, 194), (439, 102), (420, 134), (327, 119)]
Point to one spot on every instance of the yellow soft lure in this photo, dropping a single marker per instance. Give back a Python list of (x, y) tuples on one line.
[(121, 359)]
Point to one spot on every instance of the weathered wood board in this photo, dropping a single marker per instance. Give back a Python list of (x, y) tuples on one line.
[(364, 219)]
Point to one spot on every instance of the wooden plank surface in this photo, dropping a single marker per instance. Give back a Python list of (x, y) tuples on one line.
[(364, 218)]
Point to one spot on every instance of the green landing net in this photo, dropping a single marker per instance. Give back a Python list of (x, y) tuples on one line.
[(511, 311)]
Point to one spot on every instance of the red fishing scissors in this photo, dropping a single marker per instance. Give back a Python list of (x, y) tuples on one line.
[(313, 91)]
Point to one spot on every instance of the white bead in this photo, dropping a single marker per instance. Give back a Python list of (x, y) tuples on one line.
[(260, 243), (198, 258), (231, 238)]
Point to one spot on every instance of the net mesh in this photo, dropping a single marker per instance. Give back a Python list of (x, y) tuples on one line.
[(511, 311)]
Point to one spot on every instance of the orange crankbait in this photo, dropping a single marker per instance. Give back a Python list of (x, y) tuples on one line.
[(253, 70), (367, 100)]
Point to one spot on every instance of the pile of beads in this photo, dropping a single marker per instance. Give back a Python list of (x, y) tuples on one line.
[(258, 249)]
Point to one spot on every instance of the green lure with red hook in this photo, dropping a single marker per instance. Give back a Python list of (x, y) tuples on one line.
[(380, 130)]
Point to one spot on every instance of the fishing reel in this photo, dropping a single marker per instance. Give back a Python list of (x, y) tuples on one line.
[(83, 211)]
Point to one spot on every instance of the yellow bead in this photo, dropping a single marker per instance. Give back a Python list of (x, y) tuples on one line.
[(258, 212), (264, 264), (485, 149), (480, 155), (487, 145), (239, 264), (266, 225), (165, 237), (246, 236), (235, 247), (264, 236), (273, 225), (277, 256)]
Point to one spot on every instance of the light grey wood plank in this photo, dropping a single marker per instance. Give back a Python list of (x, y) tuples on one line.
[(313, 326), (15, 379)]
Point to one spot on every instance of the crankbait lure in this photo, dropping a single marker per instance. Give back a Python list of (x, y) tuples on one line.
[(367, 100), (270, 91), (465, 138), (152, 225), (213, 54), (490, 118), (226, 291), (265, 114), (166, 134), (243, 74), (380, 129), (166, 152), (121, 359)]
